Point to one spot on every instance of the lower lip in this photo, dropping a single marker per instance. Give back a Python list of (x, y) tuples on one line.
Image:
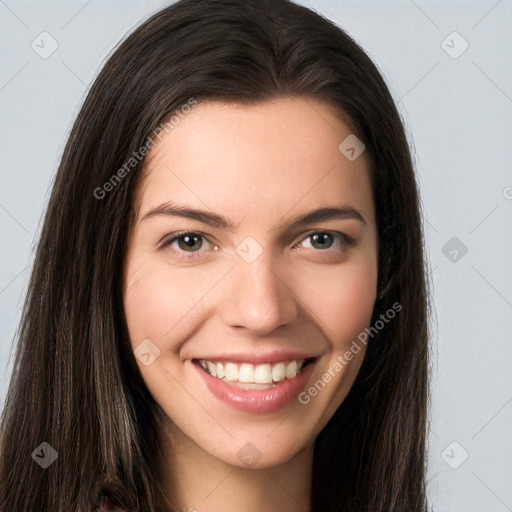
[(260, 401)]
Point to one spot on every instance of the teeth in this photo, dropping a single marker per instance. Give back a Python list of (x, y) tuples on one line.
[(246, 373), (265, 373), (231, 372), (212, 368), (278, 372), (291, 370)]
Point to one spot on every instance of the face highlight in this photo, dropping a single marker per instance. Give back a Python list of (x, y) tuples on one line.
[(251, 267)]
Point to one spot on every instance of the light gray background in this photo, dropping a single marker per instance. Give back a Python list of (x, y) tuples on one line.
[(458, 112)]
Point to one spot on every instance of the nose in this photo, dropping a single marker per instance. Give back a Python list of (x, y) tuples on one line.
[(258, 296)]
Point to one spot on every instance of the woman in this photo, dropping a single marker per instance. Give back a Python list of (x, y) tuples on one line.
[(228, 307)]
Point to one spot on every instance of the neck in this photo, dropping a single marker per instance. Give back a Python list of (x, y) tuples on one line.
[(200, 482)]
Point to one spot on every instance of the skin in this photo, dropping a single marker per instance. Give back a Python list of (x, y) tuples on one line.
[(259, 166)]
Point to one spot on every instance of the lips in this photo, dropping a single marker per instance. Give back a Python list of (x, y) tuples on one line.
[(261, 388)]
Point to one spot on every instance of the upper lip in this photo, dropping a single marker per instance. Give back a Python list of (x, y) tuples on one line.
[(258, 357)]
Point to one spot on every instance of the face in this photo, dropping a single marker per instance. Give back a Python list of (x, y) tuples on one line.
[(251, 269)]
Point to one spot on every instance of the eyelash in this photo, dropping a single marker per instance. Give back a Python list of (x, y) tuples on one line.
[(341, 237)]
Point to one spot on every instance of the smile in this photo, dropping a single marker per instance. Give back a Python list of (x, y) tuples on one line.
[(256, 388), (266, 373)]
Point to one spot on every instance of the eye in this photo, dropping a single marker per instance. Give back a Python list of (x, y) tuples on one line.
[(186, 244), (324, 240)]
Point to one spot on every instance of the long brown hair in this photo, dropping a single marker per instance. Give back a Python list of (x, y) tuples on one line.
[(76, 384)]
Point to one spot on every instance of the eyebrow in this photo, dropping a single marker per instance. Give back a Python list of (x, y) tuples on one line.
[(219, 221)]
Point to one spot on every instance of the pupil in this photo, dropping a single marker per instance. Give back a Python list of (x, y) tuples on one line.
[(189, 241), (321, 239)]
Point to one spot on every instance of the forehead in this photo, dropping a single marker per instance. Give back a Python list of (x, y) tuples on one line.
[(250, 162)]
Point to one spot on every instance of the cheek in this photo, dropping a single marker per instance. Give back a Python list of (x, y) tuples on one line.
[(161, 303), (150, 302), (344, 301)]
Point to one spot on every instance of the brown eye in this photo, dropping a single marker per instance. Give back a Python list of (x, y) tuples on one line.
[(321, 240), (190, 243), (324, 240), (187, 245)]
